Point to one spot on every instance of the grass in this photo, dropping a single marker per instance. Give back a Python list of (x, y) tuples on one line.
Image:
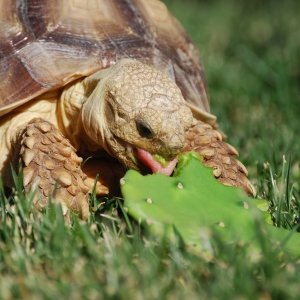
[(250, 53), (41, 258)]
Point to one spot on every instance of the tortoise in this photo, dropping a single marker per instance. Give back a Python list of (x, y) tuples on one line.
[(119, 81)]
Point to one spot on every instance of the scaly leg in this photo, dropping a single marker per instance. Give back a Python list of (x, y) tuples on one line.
[(218, 155), (51, 163)]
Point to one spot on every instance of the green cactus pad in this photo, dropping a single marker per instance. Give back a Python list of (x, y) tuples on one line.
[(193, 201)]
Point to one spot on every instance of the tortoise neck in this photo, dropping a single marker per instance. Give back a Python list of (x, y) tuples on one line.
[(70, 122)]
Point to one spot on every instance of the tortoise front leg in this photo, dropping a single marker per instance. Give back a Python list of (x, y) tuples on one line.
[(218, 155), (51, 163)]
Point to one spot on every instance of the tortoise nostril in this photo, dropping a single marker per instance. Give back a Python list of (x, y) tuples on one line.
[(144, 129)]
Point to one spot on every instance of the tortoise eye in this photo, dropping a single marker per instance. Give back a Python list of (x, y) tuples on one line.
[(144, 129)]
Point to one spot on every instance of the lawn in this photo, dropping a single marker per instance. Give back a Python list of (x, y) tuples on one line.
[(250, 51)]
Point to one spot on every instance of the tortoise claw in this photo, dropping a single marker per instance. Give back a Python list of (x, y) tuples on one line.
[(218, 155)]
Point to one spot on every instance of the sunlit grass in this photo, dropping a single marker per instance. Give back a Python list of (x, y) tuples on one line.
[(109, 256)]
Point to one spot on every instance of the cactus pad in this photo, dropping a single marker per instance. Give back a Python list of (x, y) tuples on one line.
[(192, 201)]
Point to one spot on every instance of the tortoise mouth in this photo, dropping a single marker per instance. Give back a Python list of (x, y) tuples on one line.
[(144, 161), (149, 163)]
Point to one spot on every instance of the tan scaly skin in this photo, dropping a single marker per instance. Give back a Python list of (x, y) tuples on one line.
[(120, 109), (140, 107), (125, 107)]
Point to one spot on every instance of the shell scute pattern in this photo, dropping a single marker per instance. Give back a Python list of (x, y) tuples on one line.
[(46, 44)]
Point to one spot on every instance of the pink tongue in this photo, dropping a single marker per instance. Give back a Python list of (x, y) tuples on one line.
[(154, 165)]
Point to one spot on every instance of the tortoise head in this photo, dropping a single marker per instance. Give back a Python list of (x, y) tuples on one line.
[(131, 106)]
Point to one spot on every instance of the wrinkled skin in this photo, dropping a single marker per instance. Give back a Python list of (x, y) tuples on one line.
[(135, 106)]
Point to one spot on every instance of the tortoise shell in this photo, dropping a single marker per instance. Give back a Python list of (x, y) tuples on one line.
[(46, 44)]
